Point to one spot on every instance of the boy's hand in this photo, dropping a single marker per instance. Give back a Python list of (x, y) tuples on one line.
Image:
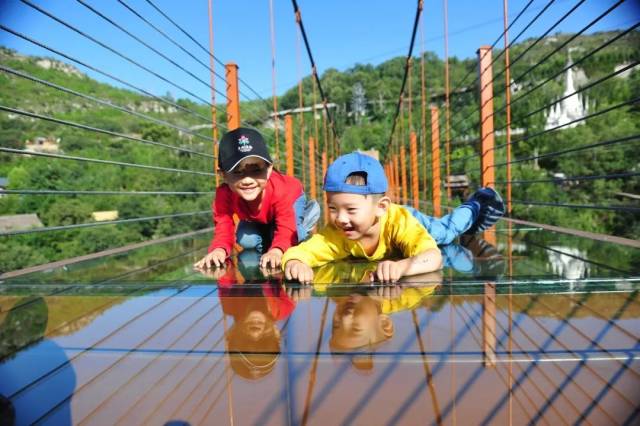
[(297, 270), (214, 259), (271, 259), (299, 293), (389, 271)]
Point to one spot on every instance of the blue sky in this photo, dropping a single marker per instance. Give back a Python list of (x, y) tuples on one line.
[(341, 32)]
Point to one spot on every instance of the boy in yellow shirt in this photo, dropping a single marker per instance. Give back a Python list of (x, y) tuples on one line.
[(364, 223)]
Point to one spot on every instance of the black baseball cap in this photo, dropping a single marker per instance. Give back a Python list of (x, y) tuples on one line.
[(239, 144)]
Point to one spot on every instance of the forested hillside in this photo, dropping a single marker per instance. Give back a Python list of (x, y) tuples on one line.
[(366, 98)]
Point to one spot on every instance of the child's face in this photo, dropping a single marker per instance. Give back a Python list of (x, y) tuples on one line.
[(354, 214), (249, 178), (357, 322), (255, 326)]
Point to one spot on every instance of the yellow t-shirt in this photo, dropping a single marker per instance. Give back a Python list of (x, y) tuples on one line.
[(401, 235), (354, 273)]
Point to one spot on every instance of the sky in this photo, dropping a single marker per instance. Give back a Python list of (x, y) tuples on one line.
[(341, 33)]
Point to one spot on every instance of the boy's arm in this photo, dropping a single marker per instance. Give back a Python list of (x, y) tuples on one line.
[(285, 233), (392, 271), (321, 248), (224, 233)]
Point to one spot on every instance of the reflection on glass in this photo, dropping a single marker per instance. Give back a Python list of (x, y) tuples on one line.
[(258, 312)]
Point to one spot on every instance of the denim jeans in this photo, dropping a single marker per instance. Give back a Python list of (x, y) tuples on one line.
[(258, 236), (445, 229)]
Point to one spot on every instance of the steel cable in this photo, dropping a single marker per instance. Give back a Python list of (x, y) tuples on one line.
[(94, 224), (629, 209), (571, 178), (102, 102), (81, 192), (114, 51), (98, 130), (104, 73), (99, 161)]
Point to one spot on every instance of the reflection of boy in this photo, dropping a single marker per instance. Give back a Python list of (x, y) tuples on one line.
[(273, 211), (253, 341), (364, 223), (361, 319)]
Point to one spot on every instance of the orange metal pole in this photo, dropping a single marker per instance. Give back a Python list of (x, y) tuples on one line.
[(447, 111), (435, 162), (403, 165), (489, 325), (486, 117), (233, 98), (415, 190), (312, 169), (324, 194), (288, 138), (507, 83)]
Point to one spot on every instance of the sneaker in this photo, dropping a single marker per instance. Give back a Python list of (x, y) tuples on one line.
[(488, 208)]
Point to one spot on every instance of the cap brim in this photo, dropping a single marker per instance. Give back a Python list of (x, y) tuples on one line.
[(248, 156)]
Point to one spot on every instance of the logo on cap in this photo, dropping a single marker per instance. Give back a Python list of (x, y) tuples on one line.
[(243, 144)]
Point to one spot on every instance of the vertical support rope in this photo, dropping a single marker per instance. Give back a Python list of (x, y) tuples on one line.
[(447, 111), (312, 169), (403, 158), (325, 210), (315, 127), (214, 112), (507, 84), (300, 103), (423, 105), (396, 174), (403, 162), (276, 120), (415, 192)]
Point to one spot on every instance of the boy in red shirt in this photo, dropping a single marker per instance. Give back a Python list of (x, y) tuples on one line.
[(272, 209)]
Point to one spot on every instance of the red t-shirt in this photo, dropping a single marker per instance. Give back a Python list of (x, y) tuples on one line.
[(278, 198)]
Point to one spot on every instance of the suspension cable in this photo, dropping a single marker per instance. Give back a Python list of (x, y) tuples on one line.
[(81, 192), (621, 208), (572, 178), (570, 150), (186, 33), (571, 65), (106, 222), (98, 130), (114, 51), (99, 161), (579, 90), (296, 11), (406, 69), (104, 73), (148, 46), (101, 102)]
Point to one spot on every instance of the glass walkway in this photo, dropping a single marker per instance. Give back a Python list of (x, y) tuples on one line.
[(548, 334)]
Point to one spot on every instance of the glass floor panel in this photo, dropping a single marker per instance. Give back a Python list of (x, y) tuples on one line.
[(548, 334)]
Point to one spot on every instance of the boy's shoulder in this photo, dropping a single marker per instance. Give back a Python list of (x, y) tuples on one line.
[(279, 180)]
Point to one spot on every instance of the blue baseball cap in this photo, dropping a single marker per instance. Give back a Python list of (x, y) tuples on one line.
[(356, 162)]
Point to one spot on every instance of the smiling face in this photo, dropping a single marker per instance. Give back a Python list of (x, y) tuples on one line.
[(249, 178), (357, 216), (357, 322)]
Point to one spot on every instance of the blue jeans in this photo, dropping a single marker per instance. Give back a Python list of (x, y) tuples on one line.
[(445, 229), (258, 236)]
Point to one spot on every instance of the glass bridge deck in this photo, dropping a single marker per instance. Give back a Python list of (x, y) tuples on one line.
[(538, 328)]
